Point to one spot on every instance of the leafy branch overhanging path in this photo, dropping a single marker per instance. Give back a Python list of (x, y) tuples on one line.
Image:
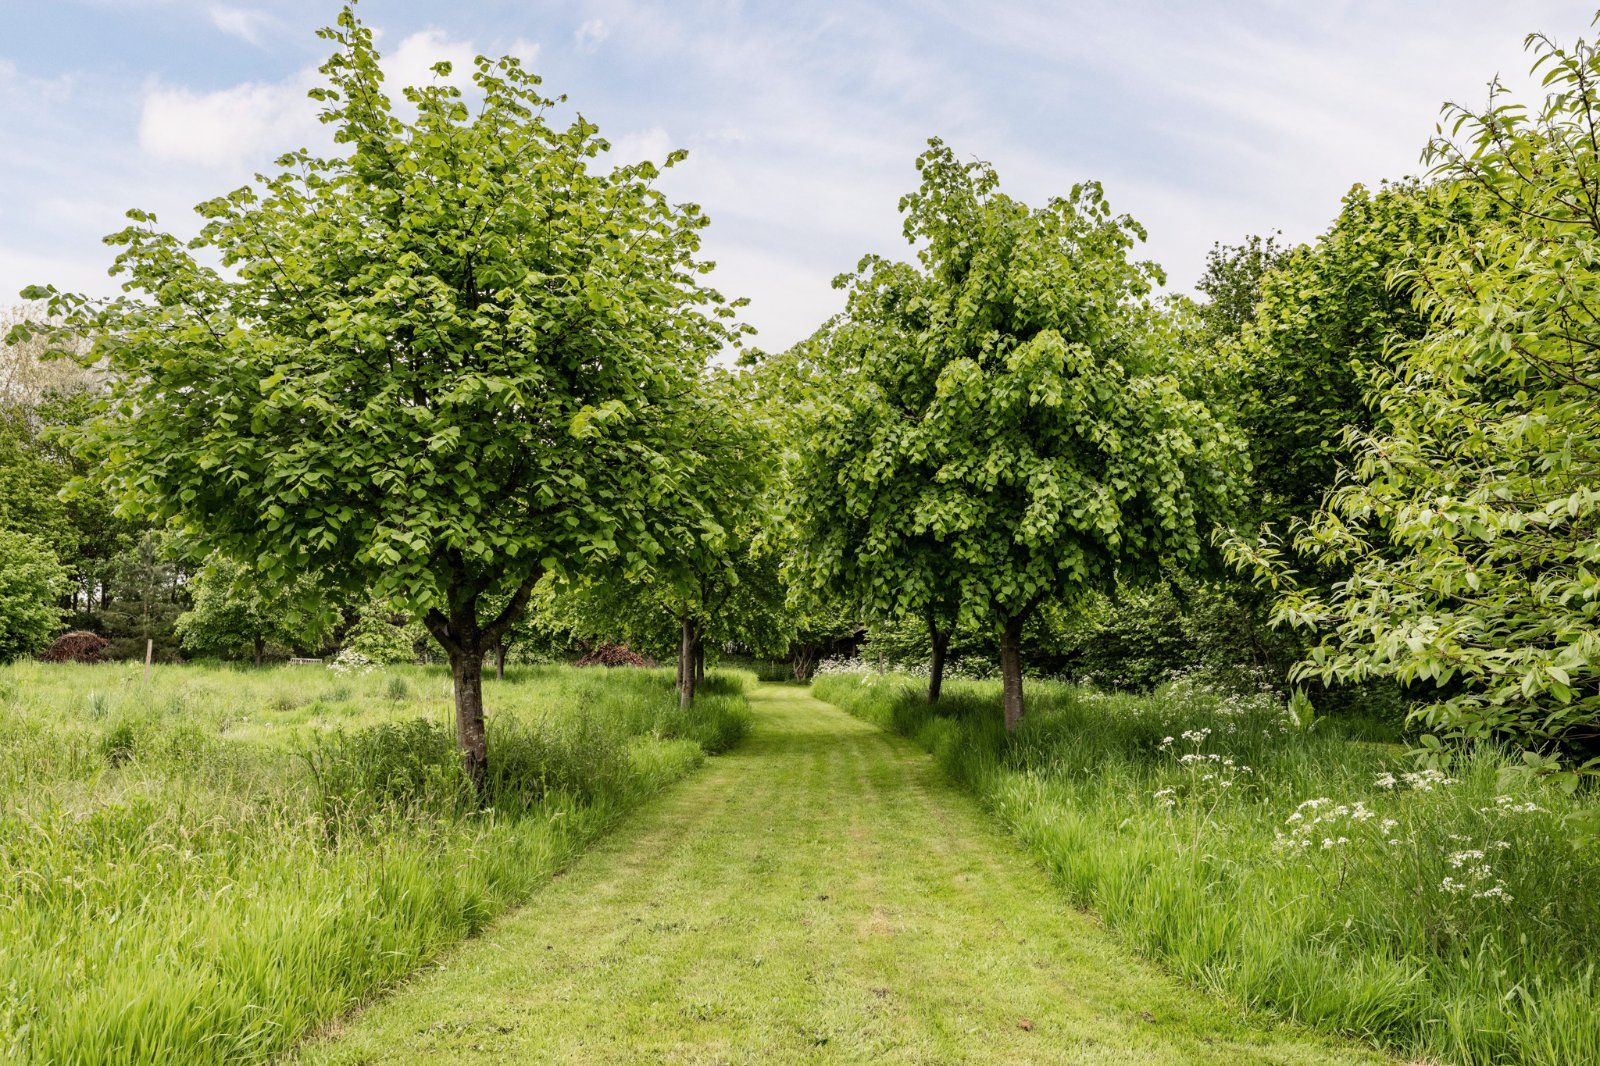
[(818, 895)]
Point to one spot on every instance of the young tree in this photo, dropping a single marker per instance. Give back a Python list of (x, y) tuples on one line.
[(1470, 524), (147, 595), (383, 634), (438, 365), (232, 609), (31, 580), (1027, 380)]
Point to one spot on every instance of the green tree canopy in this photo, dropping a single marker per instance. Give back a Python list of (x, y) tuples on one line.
[(709, 580), (31, 580), (1470, 527), (233, 611), (1010, 403), (437, 365)]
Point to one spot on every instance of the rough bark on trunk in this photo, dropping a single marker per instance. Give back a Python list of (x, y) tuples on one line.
[(686, 664), (261, 649), (500, 661), (466, 640), (941, 645), (466, 670), (1011, 670), (699, 661)]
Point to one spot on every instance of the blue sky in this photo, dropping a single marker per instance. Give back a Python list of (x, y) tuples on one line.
[(1206, 121)]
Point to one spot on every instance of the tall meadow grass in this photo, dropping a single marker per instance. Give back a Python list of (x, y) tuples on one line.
[(202, 868), (1451, 914)]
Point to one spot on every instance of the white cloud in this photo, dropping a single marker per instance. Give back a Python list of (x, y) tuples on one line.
[(245, 23), (412, 60), (652, 144), (247, 124), (591, 35), (523, 49)]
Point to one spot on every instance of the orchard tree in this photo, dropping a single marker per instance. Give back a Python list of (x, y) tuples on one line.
[(1022, 402), (231, 609), (707, 581), (435, 365), (1469, 526), (864, 542), (31, 580)]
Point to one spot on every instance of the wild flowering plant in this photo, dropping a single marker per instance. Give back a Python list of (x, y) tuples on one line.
[(351, 662)]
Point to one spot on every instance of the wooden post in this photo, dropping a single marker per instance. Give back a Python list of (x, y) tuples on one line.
[(149, 653)]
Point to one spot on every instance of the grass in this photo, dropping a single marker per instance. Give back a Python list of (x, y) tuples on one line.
[(1451, 915), (819, 895), (203, 868)]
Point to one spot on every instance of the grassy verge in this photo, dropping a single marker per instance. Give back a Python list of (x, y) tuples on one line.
[(1303, 872), (203, 868)]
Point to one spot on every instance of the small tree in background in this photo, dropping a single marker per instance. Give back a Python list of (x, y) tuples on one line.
[(862, 539), (147, 595), (233, 610), (31, 581), (381, 633), (439, 365)]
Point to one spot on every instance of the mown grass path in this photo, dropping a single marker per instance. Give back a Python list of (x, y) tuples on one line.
[(817, 895)]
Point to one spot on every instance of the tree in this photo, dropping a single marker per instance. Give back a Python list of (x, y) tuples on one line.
[(232, 609), (146, 598), (383, 634), (31, 580), (438, 366), (709, 532), (1328, 317), (864, 543), (1026, 379), (43, 405), (1469, 526), (1233, 280)]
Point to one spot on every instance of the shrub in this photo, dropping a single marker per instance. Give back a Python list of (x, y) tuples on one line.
[(614, 655), (31, 579), (78, 646)]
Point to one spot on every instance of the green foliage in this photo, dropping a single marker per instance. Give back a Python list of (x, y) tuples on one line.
[(31, 582), (1006, 427), (1449, 917), (147, 596), (436, 364), (716, 571), (1328, 316), (1232, 283), (381, 634), (234, 612), (1470, 526)]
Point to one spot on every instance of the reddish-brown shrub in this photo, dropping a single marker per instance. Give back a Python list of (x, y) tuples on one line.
[(614, 655), (78, 646)]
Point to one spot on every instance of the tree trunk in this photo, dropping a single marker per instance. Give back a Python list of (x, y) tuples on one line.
[(686, 664), (500, 661), (941, 645), (261, 648), (801, 658), (1011, 670), (466, 670), (699, 661)]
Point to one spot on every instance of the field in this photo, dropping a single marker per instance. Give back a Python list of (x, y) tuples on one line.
[(204, 867), (1443, 914)]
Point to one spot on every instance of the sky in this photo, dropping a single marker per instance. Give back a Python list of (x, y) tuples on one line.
[(1206, 121)]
